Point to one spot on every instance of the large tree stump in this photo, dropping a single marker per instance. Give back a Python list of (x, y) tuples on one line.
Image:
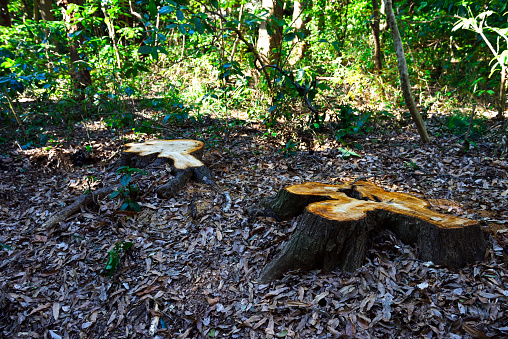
[(340, 220)]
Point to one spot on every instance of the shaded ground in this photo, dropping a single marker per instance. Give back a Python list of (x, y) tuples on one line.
[(192, 275)]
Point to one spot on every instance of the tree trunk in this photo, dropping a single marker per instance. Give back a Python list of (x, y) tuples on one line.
[(239, 26), (5, 17), (502, 93), (270, 34), (404, 75), (80, 75), (112, 35), (340, 222), (375, 34), (299, 24), (45, 7)]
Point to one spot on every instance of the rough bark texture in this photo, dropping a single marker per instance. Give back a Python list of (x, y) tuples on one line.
[(502, 93), (375, 35), (5, 18), (45, 7), (80, 74), (266, 41), (404, 75), (335, 233)]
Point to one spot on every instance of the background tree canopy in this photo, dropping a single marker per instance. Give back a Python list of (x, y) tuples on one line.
[(298, 62)]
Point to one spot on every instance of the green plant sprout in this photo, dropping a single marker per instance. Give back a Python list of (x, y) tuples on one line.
[(114, 256), (89, 181), (128, 191)]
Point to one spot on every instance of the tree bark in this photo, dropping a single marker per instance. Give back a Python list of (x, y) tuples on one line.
[(340, 222), (5, 17), (45, 7), (266, 41), (404, 75), (375, 35), (238, 27), (502, 93), (80, 75), (300, 25)]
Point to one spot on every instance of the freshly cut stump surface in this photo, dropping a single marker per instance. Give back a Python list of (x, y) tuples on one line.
[(180, 151), (339, 222)]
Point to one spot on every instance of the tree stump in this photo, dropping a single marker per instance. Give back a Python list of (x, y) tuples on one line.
[(185, 154), (339, 222)]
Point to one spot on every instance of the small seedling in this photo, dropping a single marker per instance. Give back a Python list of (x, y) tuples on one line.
[(114, 256), (5, 247), (89, 181), (128, 191), (289, 149)]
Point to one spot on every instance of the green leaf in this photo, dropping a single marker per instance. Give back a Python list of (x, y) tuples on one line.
[(336, 46), (323, 86), (346, 153), (199, 25), (179, 15), (145, 49), (127, 245), (134, 206), (125, 179), (165, 10), (114, 194), (182, 29), (162, 50), (215, 4), (152, 8), (289, 37)]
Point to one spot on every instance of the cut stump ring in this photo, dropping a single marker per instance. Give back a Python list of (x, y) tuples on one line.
[(339, 222)]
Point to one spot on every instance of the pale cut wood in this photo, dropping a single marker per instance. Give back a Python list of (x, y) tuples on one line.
[(180, 151), (339, 222)]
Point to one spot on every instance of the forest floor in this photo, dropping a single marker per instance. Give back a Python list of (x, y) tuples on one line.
[(194, 276)]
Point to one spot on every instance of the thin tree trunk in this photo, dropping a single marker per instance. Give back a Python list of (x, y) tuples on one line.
[(5, 17), (112, 34), (80, 75), (375, 35), (502, 93), (404, 75), (46, 7), (28, 9), (36, 10), (267, 42), (299, 24), (235, 44)]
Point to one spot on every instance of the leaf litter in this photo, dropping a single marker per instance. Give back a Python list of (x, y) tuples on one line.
[(192, 268)]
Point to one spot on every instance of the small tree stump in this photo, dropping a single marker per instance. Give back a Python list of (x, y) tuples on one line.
[(186, 155), (340, 220)]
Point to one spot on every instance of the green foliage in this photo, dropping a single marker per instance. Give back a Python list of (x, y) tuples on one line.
[(5, 247), (289, 149), (350, 121), (176, 58), (458, 124), (113, 259), (128, 191)]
